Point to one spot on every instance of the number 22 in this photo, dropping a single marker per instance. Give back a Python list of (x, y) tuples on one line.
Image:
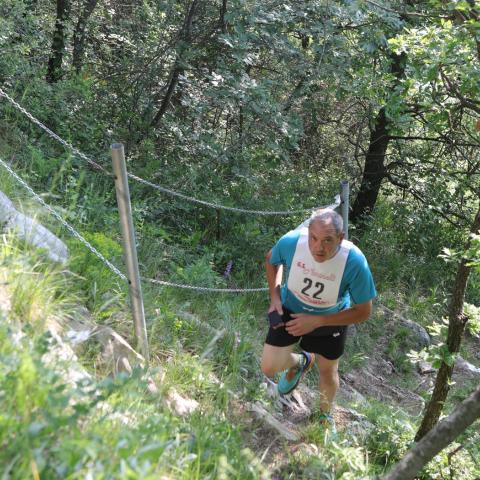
[(309, 283)]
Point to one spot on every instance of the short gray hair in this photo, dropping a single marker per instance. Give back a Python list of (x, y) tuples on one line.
[(326, 215)]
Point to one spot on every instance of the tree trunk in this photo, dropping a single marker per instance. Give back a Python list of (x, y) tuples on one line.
[(456, 327), (79, 34), (374, 170), (437, 439), (222, 22), (177, 69), (54, 71)]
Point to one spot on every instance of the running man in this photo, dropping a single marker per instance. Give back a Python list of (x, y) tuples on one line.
[(328, 286)]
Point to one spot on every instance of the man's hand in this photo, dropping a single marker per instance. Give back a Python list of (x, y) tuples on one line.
[(275, 304), (302, 324)]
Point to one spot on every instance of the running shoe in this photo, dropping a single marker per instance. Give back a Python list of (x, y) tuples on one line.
[(291, 377), (327, 421)]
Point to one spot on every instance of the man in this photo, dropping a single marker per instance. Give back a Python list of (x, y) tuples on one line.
[(324, 273)]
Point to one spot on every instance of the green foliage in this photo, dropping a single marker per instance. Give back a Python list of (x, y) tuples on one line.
[(456, 461), (37, 289), (330, 462), (438, 352), (218, 328), (396, 350), (103, 428), (62, 423), (274, 104), (473, 313), (94, 277), (391, 436), (402, 243), (200, 273), (359, 347)]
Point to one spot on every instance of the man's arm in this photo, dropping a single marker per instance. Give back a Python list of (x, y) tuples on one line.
[(303, 323), (274, 280)]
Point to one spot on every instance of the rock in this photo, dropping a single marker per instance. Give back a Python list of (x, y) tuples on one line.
[(464, 374), (76, 337), (348, 395), (424, 368), (31, 231), (117, 351), (6, 208), (180, 405), (382, 367), (419, 336), (352, 423), (462, 367), (117, 354), (293, 403), (425, 384), (38, 236), (284, 427), (306, 450), (62, 353), (352, 330), (270, 388), (370, 384)]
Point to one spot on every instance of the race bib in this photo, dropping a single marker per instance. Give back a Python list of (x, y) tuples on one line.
[(316, 283)]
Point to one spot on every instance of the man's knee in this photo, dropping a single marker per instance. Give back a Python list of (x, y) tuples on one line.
[(275, 359), (329, 375), (269, 368), (328, 371)]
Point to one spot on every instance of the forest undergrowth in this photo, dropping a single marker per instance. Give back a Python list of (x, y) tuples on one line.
[(112, 427), (259, 106)]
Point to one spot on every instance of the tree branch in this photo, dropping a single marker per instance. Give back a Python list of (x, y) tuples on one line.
[(403, 13), (443, 213), (446, 140), (437, 439), (177, 68)]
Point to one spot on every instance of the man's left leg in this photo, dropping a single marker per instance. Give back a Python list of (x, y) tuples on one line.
[(328, 351), (328, 382)]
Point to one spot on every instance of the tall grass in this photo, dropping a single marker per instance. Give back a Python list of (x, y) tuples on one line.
[(54, 427)]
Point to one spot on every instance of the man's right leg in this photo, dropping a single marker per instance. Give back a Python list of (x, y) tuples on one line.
[(278, 359)]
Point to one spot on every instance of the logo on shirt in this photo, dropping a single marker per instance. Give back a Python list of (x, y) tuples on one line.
[(314, 273)]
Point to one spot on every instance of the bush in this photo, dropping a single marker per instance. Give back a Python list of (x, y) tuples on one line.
[(95, 278)]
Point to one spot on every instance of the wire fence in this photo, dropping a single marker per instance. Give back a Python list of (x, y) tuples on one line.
[(139, 320), (223, 207), (155, 186), (72, 230), (205, 289), (107, 262), (99, 167)]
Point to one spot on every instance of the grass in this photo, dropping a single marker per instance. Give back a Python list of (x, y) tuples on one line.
[(37, 289), (327, 460), (103, 428), (363, 341), (202, 345)]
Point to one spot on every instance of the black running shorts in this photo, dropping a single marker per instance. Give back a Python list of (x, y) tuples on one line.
[(330, 345)]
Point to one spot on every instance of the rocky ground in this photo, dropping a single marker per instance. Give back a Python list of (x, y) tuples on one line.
[(378, 377)]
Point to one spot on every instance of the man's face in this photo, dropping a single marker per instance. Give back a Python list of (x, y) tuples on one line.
[(323, 240)]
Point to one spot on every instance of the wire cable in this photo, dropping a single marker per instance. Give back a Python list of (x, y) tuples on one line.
[(76, 234), (155, 186)]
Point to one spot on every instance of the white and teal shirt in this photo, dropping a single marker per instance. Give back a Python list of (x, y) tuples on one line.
[(321, 287)]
